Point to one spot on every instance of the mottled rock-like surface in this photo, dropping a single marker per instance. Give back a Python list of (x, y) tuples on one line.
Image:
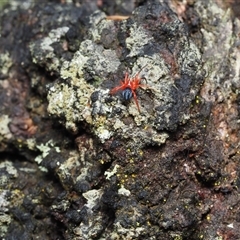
[(80, 163)]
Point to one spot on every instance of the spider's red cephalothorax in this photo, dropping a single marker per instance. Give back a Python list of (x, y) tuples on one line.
[(129, 86)]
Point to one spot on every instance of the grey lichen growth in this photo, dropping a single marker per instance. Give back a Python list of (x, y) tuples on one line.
[(79, 97), (5, 199), (47, 51), (137, 39), (70, 97), (5, 218), (94, 226), (223, 76)]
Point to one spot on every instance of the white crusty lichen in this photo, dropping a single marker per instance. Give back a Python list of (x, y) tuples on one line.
[(93, 197), (123, 191), (109, 174)]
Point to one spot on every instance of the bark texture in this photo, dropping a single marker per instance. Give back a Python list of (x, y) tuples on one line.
[(80, 163)]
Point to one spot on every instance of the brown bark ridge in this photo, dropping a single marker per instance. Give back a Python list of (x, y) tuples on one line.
[(80, 163)]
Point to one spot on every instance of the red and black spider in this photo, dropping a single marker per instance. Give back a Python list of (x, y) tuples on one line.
[(129, 86)]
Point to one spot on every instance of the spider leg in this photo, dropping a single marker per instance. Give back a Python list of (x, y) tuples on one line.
[(143, 78), (126, 78), (144, 86), (136, 101), (142, 68), (114, 90), (137, 75)]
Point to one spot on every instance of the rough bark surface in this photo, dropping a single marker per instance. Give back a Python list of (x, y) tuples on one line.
[(80, 163)]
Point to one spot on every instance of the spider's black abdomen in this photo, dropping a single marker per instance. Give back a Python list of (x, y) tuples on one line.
[(127, 94)]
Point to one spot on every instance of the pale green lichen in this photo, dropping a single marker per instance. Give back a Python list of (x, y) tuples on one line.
[(129, 233), (45, 149), (5, 62), (159, 139), (71, 98), (4, 129), (65, 168), (9, 168), (103, 133), (31, 143)]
